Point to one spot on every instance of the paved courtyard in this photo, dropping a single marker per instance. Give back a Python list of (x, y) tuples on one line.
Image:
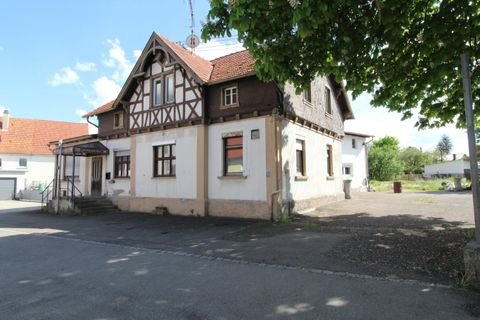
[(138, 266)]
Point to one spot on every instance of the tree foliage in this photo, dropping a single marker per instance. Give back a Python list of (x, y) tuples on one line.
[(444, 146), (404, 52), (383, 159), (414, 160)]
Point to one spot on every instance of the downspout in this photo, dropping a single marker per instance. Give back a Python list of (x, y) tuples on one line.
[(93, 124)]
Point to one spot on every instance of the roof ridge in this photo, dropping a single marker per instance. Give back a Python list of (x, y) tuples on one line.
[(58, 121), (180, 46)]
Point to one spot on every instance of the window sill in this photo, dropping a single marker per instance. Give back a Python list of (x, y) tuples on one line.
[(232, 177), (328, 115), (229, 106), (330, 177), (163, 177), (122, 178), (301, 178), (307, 103)]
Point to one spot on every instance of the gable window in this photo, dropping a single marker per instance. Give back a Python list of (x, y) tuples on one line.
[(328, 101), (157, 93), (68, 167), (230, 96), (122, 164), (329, 160), (354, 144), (118, 120), (22, 162), (169, 89), (233, 155), (300, 157), (164, 160), (307, 94)]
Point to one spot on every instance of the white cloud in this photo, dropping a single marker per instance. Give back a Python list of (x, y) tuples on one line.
[(118, 61), (85, 66), (80, 112), (64, 76), (105, 90), (137, 53), (380, 122), (213, 49)]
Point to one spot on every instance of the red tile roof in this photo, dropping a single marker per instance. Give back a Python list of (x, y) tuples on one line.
[(102, 109), (233, 66), (29, 136), (201, 67)]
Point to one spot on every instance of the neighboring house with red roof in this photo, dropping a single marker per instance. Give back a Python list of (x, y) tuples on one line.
[(26, 161), (200, 137)]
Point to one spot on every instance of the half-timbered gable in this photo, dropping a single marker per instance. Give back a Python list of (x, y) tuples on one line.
[(164, 89)]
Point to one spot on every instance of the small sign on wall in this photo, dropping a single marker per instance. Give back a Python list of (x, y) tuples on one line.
[(255, 134)]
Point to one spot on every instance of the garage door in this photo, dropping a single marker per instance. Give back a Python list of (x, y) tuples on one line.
[(7, 188)]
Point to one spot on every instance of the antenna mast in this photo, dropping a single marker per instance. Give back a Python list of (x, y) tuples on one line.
[(192, 40)]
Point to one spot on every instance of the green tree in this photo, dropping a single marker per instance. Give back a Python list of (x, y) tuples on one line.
[(444, 146), (404, 52), (383, 159), (414, 160)]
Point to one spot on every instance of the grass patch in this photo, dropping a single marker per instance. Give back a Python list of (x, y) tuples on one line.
[(412, 185)]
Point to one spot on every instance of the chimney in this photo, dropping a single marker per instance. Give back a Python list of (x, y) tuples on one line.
[(5, 120)]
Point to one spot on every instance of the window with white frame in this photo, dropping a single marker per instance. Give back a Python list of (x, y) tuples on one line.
[(300, 157), (328, 101), (118, 120), (22, 162), (307, 94), (157, 92), (169, 89), (122, 164), (347, 169), (329, 160), (233, 155), (164, 160), (230, 96)]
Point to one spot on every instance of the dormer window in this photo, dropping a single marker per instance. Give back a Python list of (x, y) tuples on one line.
[(230, 96), (118, 120)]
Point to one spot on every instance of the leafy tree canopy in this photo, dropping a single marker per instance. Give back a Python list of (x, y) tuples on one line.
[(414, 160), (383, 159), (444, 146), (406, 53)]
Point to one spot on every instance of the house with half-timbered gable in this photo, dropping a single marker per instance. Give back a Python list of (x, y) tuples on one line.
[(197, 137)]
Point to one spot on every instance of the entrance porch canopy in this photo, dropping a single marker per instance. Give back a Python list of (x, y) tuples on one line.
[(83, 150)]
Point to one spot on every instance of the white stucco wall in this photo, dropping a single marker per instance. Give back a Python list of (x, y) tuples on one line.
[(181, 186), (455, 167), (116, 186), (316, 184), (253, 185), (40, 169), (356, 159), (80, 182)]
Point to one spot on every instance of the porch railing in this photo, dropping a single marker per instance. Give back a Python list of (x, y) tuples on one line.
[(47, 193)]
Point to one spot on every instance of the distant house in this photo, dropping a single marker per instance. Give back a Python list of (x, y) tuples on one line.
[(453, 168), (355, 160), (26, 162)]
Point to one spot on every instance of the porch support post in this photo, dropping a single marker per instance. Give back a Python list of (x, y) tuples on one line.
[(73, 175)]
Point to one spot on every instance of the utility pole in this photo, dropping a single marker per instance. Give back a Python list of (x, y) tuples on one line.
[(467, 93)]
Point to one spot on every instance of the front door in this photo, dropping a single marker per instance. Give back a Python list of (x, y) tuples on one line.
[(96, 188)]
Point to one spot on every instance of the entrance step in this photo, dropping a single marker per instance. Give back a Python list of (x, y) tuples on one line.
[(95, 205)]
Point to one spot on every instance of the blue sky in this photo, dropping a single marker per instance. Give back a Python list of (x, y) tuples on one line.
[(59, 59)]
